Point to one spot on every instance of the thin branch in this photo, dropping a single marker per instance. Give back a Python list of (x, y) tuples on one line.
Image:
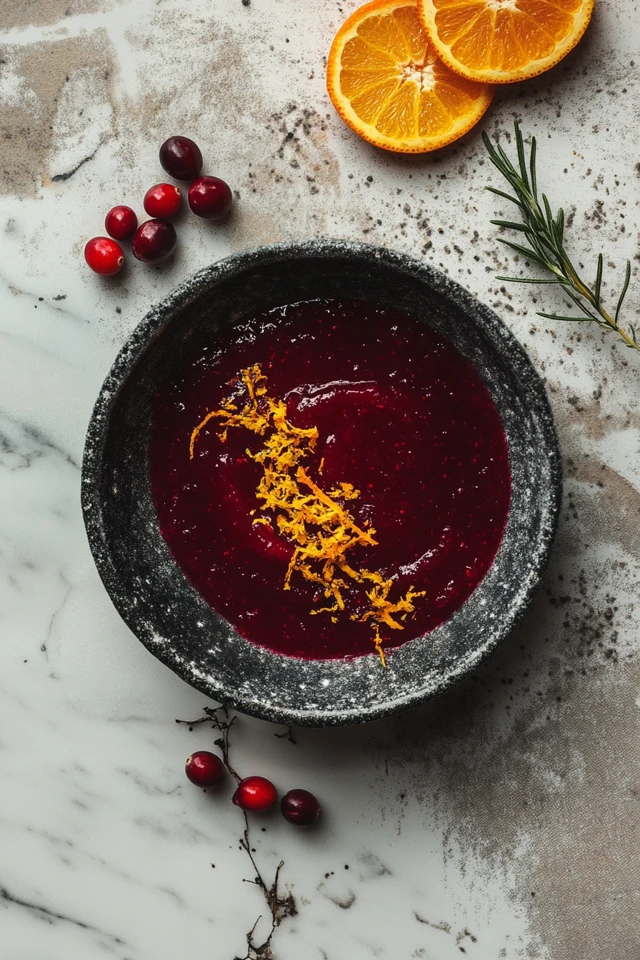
[(288, 733), (280, 907), (212, 716)]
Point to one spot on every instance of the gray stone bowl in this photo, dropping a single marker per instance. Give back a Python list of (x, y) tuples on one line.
[(167, 613)]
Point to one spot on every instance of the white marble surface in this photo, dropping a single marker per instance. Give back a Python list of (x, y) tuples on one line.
[(501, 821)]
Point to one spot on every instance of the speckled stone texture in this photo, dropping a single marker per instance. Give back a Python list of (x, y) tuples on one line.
[(502, 818), (152, 593)]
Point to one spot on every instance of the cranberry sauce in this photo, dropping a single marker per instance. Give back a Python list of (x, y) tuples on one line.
[(401, 415)]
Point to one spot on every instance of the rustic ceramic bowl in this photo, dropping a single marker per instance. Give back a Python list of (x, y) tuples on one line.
[(152, 593)]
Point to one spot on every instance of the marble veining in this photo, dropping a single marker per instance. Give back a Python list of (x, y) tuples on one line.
[(500, 821)]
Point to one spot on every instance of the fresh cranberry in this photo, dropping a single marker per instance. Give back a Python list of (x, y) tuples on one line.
[(300, 807), (154, 240), (163, 200), (121, 222), (210, 197), (255, 794), (181, 158), (204, 769), (104, 256)]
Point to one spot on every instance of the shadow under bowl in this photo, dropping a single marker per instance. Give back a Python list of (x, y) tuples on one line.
[(167, 613)]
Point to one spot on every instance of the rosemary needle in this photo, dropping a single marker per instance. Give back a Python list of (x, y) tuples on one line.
[(544, 233)]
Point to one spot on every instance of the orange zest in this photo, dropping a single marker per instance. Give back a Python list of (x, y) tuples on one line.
[(387, 83), (503, 41), (315, 521)]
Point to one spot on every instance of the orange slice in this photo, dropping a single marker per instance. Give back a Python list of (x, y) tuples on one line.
[(502, 41), (387, 84)]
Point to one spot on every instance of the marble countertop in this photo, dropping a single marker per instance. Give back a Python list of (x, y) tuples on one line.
[(503, 820)]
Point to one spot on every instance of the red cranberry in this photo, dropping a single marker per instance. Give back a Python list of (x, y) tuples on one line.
[(181, 158), (163, 200), (204, 769), (104, 256), (300, 807), (210, 197), (121, 222), (256, 794), (154, 240)]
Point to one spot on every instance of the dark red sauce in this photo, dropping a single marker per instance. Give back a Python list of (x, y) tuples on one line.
[(401, 415)]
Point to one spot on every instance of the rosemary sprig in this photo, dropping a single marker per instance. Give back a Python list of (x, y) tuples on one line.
[(544, 233)]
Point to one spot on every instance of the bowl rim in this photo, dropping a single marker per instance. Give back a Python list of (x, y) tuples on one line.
[(152, 325)]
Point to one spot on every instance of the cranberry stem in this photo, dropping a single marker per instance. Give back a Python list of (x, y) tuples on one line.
[(280, 907), (288, 733), (245, 842), (224, 726), (223, 742)]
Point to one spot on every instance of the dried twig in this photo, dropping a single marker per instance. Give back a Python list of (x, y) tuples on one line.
[(212, 716), (280, 907), (288, 733)]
